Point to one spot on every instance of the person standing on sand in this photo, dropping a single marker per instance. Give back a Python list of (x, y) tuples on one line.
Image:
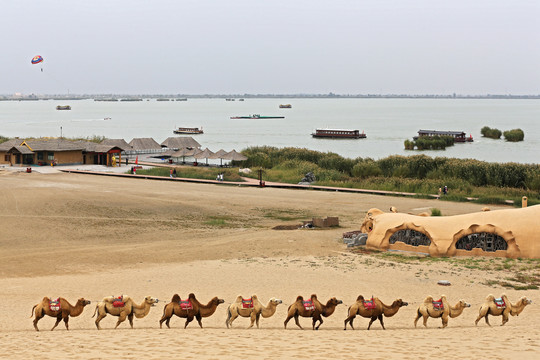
[(170, 172)]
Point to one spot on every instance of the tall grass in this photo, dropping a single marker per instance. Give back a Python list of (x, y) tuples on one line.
[(488, 132), (514, 135), (229, 174), (492, 182)]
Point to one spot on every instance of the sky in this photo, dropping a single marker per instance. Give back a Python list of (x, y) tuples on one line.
[(270, 47)]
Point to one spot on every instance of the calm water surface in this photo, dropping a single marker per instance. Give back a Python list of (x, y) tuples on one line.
[(387, 123)]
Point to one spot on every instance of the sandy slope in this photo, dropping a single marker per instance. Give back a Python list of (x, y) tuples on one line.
[(74, 235)]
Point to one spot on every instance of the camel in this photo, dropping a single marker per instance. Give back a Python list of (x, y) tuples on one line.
[(126, 310), (379, 309), (237, 309), (504, 308), (194, 309), (311, 308), (427, 309), (60, 309)]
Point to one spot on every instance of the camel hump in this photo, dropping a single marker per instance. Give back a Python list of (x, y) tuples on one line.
[(254, 297), (191, 296), (428, 299), (490, 297), (360, 298), (300, 298), (313, 296), (239, 299), (175, 298)]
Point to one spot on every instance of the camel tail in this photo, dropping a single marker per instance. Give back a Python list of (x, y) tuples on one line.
[(33, 310), (229, 315)]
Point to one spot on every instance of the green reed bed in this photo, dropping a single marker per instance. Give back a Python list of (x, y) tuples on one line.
[(465, 178)]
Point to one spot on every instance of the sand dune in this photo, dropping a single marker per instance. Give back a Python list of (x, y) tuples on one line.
[(75, 236)]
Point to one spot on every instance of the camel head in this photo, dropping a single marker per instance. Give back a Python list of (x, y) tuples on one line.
[(217, 301), (464, 304), (333, 301), (150, 300), (400, 303), (275, 301), (83, 302)]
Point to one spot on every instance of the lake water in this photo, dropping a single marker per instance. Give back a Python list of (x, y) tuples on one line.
[(387, 123)]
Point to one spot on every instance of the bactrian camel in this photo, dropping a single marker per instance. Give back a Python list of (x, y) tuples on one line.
[(237, 309), (192, 309), (377, 312), (298, 309), (489, 307), (63, 313), (128, 310), (427, 310)]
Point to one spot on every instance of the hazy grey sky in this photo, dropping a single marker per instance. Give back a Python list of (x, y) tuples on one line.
[(271, 46)]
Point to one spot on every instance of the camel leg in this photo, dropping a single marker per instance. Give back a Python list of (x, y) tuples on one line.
[(425, 319), (320, 322), (98, 319), (504, 318), (230, 320), (289, 317), (380, 317), (444, 321), (164, 318), (349, 320), (130, 318), (66, 319), (253, 318), (257, 319), (58, 319), (371, 320), (487, 321), (121, 319), (199, 318), (297, 322), (418, 316), (37, 318), (188, 320)]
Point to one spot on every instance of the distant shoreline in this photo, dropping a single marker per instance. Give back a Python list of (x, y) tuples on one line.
[(22, 97)]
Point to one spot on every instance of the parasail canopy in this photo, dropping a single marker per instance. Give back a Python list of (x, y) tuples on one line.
[(37, 59)]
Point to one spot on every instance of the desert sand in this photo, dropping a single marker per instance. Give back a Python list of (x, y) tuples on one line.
[(88, 236)]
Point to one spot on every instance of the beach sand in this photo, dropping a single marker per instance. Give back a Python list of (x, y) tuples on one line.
[(90, 236)]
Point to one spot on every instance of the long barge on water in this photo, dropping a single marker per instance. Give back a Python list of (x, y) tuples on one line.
[(338, 134), (257, 116), (188, 130), (459, 136)]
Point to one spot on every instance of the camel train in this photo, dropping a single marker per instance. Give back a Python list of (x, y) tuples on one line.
[(125, 308)]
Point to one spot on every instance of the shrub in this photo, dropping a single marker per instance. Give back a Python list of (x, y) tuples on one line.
[(435, 212), (366, 169), (514, 135), (491, 133)]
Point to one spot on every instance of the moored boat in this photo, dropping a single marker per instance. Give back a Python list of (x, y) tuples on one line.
[(257, 116), (459, 136), (285, 106), (63, 107), (186, 130), (338, 134)]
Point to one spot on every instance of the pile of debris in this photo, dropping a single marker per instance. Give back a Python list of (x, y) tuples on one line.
[(355, 238), (308, 179)]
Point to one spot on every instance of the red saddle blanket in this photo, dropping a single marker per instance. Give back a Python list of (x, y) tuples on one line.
[(500, 303), (247, 303), (369, 304), (438, 305), (185, 304), (54, 305), (118, 302), (308, 305)]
